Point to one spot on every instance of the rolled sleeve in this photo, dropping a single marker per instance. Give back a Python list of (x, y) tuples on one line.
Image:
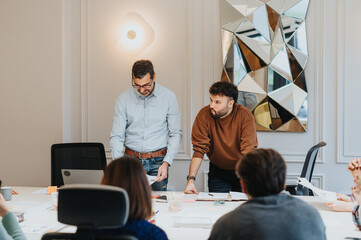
[(174, 130), (117, 135), (200, 136), (12, 227), (249, 140), (356, 215)]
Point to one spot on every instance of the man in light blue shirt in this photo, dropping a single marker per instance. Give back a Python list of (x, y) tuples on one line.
[(147, 124)]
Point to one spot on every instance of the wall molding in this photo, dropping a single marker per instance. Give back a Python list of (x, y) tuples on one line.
[(185, 153), (205, 181), (343, 156), (84, 71)]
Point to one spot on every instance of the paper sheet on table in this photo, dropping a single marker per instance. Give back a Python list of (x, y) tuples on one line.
[(40, 228), (43, 191), (212, 196), (152, 179), (325, 195), (238, 196)]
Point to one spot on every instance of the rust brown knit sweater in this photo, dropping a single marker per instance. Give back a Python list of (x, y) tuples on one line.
[(224, 140)]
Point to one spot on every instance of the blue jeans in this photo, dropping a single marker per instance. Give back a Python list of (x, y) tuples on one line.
[(220, 180), (151, 166)]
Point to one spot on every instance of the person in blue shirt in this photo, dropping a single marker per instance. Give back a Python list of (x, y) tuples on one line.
[(128, 173), (146, 124)]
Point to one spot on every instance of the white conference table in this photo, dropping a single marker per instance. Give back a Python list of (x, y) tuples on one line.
[(40, 216)]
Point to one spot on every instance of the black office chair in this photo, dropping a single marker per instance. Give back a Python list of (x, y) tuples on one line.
[(307, 171), (93, 209), (85, 155)]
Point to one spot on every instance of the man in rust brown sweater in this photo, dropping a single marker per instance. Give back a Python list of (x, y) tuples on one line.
[(226, 132)]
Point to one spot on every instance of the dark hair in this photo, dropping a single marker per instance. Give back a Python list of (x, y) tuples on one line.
[(128, 173), (141, 68), (263, 172), (224, 89)]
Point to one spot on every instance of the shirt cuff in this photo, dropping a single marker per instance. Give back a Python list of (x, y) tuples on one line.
[(168, 159), (9, 220)]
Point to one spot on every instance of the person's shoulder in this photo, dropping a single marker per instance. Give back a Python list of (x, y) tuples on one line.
[(232, 216), (227, 222), (241, 108), (204, 114), (243, 111), (149, 229), (204, 111), (165, 91), (126, 94), (300, 207), (300, 203)]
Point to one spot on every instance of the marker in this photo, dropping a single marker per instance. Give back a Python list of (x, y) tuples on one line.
[(210, 194)]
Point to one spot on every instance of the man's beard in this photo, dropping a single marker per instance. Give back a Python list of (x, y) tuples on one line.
[(218, 114)]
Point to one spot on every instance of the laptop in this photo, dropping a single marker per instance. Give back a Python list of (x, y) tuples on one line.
[(76, 176)]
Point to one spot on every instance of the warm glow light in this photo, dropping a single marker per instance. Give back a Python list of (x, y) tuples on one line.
[(135, 34), (131, 34)]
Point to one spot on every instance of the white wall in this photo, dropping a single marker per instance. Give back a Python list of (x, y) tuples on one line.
[(30, 89), (84, 59)]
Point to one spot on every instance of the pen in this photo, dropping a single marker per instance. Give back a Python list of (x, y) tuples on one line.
[(155, 213), (210, 194)]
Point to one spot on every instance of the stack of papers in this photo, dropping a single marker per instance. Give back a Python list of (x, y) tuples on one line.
[(195, 222), (231, 196), (324, 195), (152, 179), (238, 196)]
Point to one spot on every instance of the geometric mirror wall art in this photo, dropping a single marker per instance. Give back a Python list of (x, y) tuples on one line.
[(264, 49)]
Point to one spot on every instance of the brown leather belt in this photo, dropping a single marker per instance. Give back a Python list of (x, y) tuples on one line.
[(159, 153)]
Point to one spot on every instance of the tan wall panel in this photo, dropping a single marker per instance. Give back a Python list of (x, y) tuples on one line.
[(30, 89)]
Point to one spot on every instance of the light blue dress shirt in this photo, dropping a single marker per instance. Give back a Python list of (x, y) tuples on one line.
[(146, 124)]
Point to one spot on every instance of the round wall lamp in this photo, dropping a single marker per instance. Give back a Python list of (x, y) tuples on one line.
[(135, 33)]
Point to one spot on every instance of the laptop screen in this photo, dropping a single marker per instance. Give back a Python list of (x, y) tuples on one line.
[(76, 176)]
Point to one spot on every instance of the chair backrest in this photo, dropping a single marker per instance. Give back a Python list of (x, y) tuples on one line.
[(308, 167), (93, 205), (91, 208), (75, 156)]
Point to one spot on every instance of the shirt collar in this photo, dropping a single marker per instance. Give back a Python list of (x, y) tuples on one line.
[(155, 91)]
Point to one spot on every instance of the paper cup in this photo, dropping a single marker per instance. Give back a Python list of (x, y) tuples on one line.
[(6, 192)]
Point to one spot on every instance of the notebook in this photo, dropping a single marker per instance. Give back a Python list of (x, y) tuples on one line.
[(231, 196)]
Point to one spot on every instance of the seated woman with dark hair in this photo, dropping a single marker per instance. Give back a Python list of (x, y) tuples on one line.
[(128, 173)]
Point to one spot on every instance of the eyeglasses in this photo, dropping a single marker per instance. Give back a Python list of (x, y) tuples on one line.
[(145, 86)]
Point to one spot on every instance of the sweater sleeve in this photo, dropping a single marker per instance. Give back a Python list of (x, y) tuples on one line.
[(249, 140), (356, 215), (10, 229), (200, 136)]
